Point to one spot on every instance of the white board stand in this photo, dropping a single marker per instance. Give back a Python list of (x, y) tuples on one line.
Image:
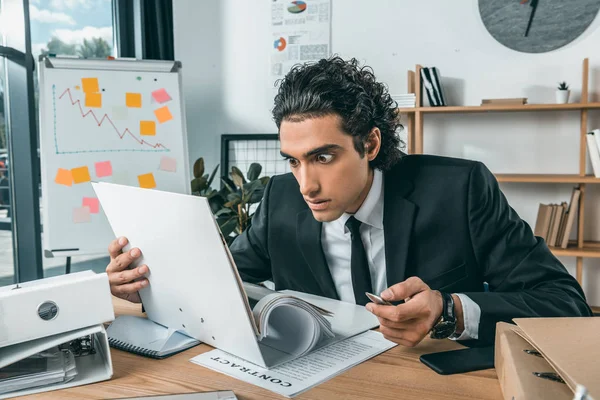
[(120, 121)]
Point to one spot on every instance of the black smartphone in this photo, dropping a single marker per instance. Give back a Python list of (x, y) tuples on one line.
[(459, 361)]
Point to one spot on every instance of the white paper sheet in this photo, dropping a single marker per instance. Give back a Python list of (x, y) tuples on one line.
[(301, 374)]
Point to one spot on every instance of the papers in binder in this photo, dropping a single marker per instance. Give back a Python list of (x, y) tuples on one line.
[(45, 368), (55, 362)]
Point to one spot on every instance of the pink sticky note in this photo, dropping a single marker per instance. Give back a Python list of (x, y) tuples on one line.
[(82, 215), (103, 168), (168, 164), (92, 203), (161, 96)]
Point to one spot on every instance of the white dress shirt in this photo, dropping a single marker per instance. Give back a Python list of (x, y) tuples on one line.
[(337, 245)]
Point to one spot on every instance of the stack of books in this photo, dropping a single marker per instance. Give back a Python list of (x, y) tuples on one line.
[(593, 145), (432, 86), (505, 102), (555, 221), (404, 100)]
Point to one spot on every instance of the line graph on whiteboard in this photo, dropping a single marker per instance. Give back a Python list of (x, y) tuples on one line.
[(96, 131)]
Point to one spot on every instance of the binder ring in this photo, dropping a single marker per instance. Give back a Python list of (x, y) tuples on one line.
[(48, 310)]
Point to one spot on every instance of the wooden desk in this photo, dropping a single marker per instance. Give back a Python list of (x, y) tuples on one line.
[(395, 374)]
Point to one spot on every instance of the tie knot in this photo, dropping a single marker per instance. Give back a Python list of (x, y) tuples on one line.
[(353, 225)]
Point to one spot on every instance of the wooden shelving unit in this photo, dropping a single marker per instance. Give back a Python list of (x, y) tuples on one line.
[(579, 248)]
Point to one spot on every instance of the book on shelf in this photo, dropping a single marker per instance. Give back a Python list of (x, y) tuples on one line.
[(543, 221), (555, 221), (506, 101), (592, 139), (432, 86), (570, 217), (558, 214)]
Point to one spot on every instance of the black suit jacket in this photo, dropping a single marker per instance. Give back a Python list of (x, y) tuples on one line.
[(445, 221)]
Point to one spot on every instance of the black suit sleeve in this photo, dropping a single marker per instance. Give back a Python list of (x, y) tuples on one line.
[(250, 249), (524, 277)]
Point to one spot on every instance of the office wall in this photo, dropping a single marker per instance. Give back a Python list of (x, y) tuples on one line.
[(224, 46)]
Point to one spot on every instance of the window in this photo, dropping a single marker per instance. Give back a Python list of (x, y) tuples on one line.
[(71, 27), (82, 28), (7, 265)]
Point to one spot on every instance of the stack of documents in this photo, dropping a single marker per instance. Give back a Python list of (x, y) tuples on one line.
[(46, 368), (404, 100)]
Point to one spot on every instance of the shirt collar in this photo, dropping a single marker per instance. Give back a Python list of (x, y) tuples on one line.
[(371, 210)]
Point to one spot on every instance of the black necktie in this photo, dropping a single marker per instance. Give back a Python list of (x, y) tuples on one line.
[(359, 266)]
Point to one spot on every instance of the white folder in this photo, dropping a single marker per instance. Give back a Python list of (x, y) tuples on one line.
[(90, 368), (73, 301)]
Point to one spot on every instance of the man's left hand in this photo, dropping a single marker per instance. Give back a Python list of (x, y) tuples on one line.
[(407, 324)]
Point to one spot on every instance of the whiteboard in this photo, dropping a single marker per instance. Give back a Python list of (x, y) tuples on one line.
[(118, 121)]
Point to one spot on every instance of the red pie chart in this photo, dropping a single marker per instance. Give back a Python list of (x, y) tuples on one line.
[(279, 44), (297, 7)]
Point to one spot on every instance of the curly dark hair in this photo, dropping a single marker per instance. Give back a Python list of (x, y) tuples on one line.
[(334, 86)]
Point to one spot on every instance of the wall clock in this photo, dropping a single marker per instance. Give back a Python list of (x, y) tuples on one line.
[(537, 26)]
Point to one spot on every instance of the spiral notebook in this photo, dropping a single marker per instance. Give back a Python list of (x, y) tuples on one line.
[(147, 338)]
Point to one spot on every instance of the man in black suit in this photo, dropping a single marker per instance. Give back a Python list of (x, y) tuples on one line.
[(433, 235)]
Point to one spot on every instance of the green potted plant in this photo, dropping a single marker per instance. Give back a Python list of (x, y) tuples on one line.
[(234, 204), (562, 93)]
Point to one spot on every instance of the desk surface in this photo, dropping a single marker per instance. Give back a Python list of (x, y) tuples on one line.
[(397, 372)]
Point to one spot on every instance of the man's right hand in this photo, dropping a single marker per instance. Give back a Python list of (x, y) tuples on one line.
[(125, 283)]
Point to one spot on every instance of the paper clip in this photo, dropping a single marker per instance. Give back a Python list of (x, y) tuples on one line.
[(552, 376)]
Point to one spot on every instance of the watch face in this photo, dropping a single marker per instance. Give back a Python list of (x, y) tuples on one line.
[(537, 26), (443, 330)]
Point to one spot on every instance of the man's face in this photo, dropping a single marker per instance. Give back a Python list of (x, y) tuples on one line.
[(332, 175)]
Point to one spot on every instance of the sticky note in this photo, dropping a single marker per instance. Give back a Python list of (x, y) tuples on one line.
[(92, 203), (119, 113), (82, 215), (64, 177), (147, 181), (161, 96), (133, 100), (163, 114), (93, 100), (81, 175), (168, 164), (103, 168), (148, 128), (90, 85)]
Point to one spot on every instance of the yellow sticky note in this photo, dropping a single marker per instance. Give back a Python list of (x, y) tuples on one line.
[(90, 85), (93, 100), (81, 174), (133, 100), (148, 128), (64, 177), (163, 114), (147, 181)]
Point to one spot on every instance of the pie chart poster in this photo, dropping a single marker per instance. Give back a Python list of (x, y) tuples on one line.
[(300, 32)]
